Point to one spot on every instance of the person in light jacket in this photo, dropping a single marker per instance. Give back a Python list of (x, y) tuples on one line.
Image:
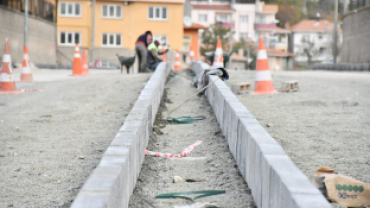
[(154, 55)]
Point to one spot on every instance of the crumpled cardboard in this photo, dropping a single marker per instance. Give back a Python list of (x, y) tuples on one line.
[(344, 190)]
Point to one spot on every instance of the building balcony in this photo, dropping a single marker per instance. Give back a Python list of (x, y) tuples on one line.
[(270, 26)]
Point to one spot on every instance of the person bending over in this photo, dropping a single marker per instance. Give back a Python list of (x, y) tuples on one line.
[(141, 49)]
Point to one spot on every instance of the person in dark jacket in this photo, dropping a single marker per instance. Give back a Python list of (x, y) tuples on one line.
[(141, 49), (154, 55)]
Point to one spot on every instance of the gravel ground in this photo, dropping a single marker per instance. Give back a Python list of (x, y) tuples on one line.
[(51, 140), (210, 162), (325, 123)]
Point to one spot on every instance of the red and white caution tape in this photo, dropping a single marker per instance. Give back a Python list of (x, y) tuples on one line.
[(170, 155)]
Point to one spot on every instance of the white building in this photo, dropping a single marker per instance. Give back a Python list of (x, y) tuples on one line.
[(312, 38), (239, 14)]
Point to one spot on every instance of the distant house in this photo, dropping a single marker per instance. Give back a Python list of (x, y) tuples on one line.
[(265, 22), (237, 14), (118, 24), (279, 60), (312, 41), (191, 39)]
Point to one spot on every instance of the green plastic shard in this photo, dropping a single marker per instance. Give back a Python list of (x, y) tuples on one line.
[(185, 119), (200, 194)]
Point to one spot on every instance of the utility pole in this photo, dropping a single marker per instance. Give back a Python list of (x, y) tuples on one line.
[(335, 32), (231, 32), (248, 55), (92, 57), (25, 22), (304, 9)]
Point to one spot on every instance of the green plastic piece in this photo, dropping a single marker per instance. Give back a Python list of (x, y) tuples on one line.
[(179, 194), (185, 119)]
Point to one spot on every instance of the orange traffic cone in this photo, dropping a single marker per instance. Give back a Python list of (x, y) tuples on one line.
[(219, 58), (7, 84), (177, 61), (192, 55), (264, 84), (85, 67), (26, 75), (164, 57), (77, 65)]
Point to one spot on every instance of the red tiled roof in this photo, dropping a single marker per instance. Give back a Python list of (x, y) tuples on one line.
[(280, 30), (312, 25), (212, 7), (270, 8), (195, 26), (276, 52)]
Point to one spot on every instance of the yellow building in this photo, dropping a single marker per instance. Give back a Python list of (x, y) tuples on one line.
[(119, 23)]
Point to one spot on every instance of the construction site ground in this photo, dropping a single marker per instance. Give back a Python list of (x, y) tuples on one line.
[(325, 123), (51, 140), (210, 166)]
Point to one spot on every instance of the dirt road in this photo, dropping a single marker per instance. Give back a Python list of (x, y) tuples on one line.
[(210, 164), (326, 123), (51, 140)]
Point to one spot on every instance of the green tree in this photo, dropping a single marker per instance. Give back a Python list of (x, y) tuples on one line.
[(290, 11), (211, 35)]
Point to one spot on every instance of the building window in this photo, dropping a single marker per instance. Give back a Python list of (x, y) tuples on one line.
[(112, 39), (243, 35), (243, 18), (157, 13), (70, 9), (111, 11), (162, 39), (222, 18), (202, 18), (69, 38), (186, 43)]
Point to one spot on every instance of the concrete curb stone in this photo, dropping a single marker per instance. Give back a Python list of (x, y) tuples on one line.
[(113, 181), (273, 178)]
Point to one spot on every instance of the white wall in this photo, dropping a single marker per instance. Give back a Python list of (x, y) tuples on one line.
[(244, 9), (325, 42)]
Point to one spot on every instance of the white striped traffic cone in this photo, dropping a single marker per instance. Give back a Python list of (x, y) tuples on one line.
[(7, 84), (177, 61), (192, 55), (26, 75), (264, 84), (219, 58)]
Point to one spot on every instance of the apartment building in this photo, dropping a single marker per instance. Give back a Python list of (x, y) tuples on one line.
[(118, 25), (238, 14)]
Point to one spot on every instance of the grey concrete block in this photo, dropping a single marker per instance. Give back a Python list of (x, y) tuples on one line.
[(91, 199), (262, 176), (109, 178), (308, 201), (127, 139)]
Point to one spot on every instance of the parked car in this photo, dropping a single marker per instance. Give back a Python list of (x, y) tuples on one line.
[(101, 64)]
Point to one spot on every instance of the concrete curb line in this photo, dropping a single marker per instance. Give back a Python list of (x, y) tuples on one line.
[(113, 181), (273, 178)]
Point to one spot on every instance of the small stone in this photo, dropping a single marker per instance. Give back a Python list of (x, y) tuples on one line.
[(269, 125), (15, 154), (177, 179), (1, 155), (59, 181), (17, 169), (81, 157), (10, 205)]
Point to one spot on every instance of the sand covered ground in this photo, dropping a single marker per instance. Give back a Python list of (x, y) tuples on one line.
[(325, 123), (210, 163), (51, 140)]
